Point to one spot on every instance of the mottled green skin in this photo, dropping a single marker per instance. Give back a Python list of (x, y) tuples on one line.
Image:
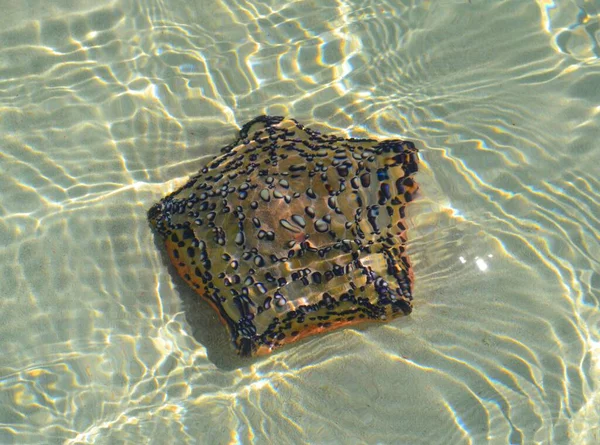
[(290, 232)]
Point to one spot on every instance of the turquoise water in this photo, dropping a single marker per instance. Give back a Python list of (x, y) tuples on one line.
[(104, 106)]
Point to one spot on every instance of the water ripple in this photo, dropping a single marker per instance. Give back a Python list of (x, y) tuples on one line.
[(102, 104)]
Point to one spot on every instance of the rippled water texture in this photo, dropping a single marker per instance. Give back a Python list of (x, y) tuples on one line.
[(102, 104)]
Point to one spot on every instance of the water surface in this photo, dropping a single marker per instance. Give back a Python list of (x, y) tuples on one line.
[(103, 104)]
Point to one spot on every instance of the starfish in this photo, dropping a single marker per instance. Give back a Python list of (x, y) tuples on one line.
[(290, 232)]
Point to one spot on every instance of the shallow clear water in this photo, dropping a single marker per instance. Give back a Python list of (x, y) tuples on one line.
[(103, 104)]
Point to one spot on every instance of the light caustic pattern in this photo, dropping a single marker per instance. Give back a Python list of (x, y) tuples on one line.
[(101, 106)]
